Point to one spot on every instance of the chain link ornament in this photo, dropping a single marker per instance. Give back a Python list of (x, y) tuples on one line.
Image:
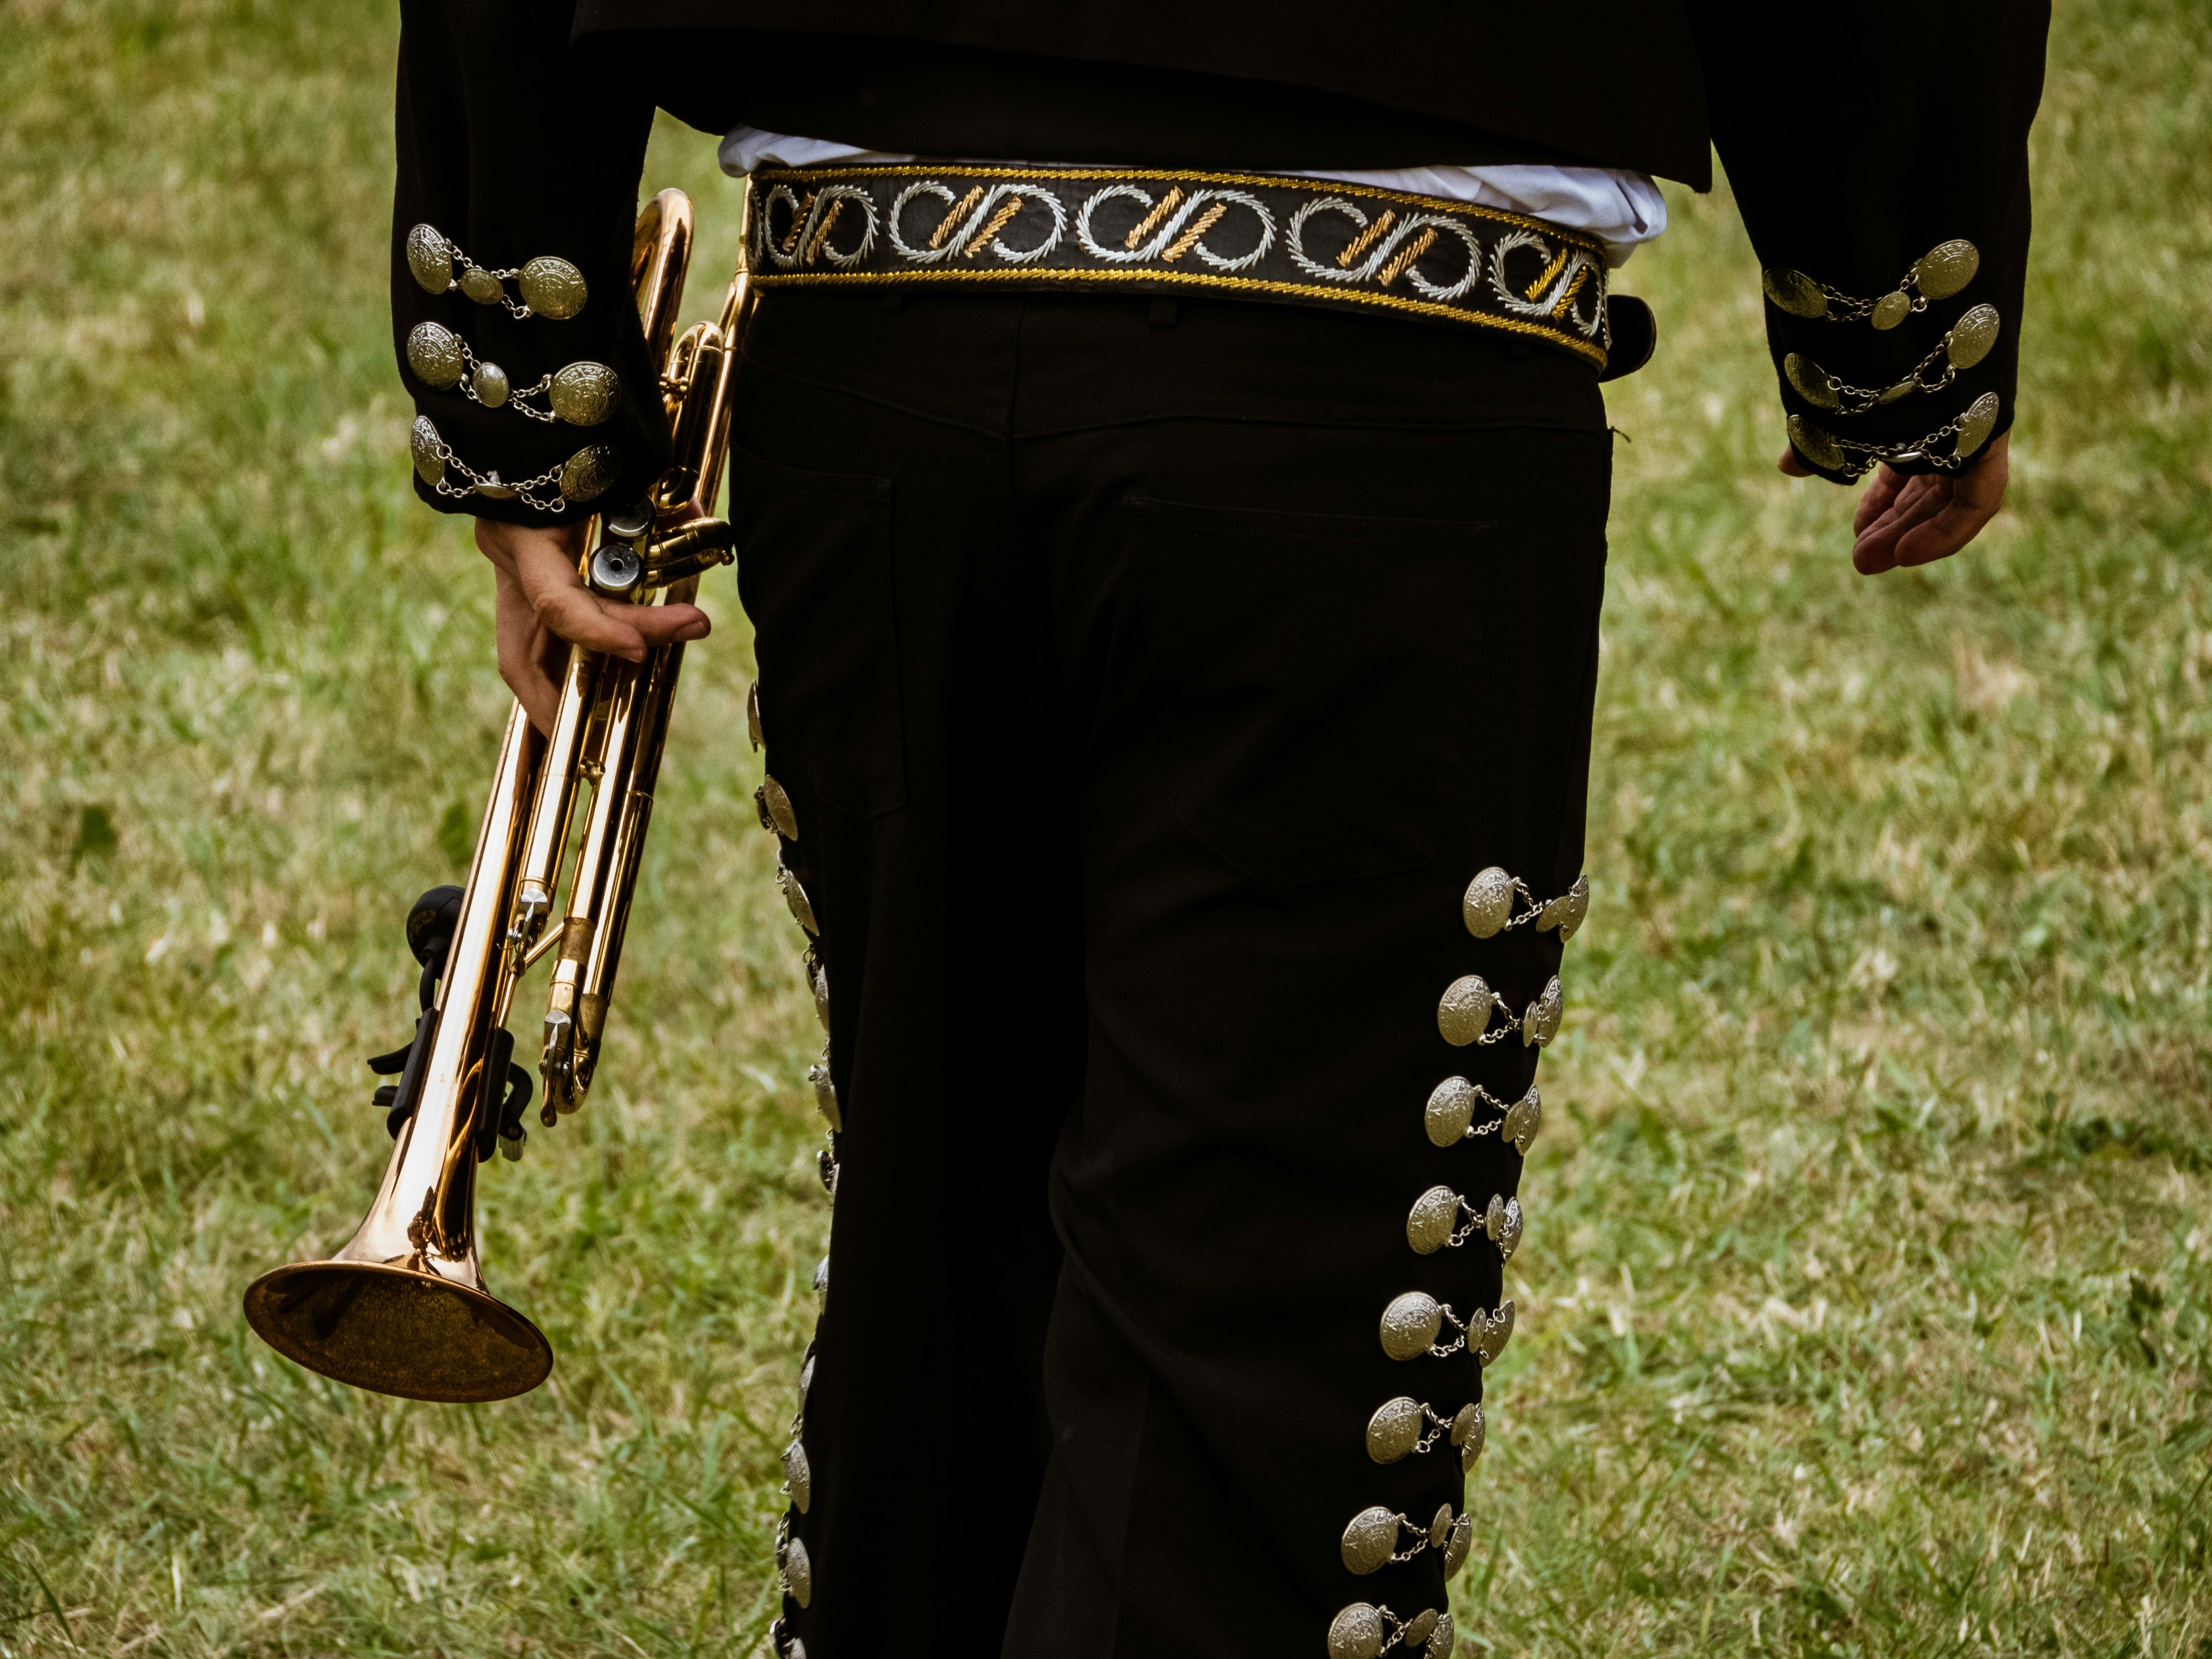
[(581, 393), (793, 1565), (1412, 1322), (777, 814), (1405, 1427), (1831, 453), (1362, 1630), (1371, 1538), (1495, 1331), (1463, 1014), (825, 1093), (1487, 908), (795, 895), (1968, 341), (817, 980), (1936, 275), (550, 287), (1471, 1434), (782, 1643), (584, 477), (798, 1475), (1449, 1117), (1433, 1224)]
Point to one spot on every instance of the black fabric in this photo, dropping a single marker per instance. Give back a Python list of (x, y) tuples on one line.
[(1146, 706), (510, 146), (1852, 151), (1222, 82)]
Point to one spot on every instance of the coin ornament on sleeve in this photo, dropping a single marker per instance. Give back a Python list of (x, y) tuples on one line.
[(552, 287), (1795, 292), (1975, 425), (584, 393), (430, 258), (589, 473), (423, 440), (481, 286), (433, 352), (1946, 267)]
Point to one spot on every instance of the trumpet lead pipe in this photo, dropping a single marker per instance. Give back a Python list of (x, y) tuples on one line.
[(545, 835)]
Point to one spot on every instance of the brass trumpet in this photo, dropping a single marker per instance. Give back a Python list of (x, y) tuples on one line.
[(401, 1308)]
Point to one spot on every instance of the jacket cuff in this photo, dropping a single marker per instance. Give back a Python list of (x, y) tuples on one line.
[(1892, 378)]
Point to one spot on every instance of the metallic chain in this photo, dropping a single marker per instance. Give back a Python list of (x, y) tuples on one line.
[(493, 485), (513, 399)]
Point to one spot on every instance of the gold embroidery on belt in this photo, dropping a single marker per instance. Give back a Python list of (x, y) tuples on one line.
[(1188, 239), (1369, 237), (798, 223), (961, 210), (1551, 275), (1406, 256), (1581, 275), (999, 221), (1146, 225), (822, 236)]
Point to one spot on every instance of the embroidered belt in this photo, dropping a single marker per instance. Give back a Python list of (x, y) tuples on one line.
[(1151, 230)]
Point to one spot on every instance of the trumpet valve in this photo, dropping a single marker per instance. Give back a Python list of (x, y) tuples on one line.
[(557, 1064), (532, 903), (616, 570)]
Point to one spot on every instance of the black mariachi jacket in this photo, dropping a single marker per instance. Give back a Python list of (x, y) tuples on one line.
[(1879, 156)]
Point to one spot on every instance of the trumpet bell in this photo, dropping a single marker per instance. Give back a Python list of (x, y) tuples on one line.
[(399, 1330)]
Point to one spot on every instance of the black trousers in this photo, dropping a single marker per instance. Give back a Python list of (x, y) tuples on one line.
[(1147, 684)]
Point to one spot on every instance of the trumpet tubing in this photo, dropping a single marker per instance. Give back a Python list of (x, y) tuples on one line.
[(401, 1308)]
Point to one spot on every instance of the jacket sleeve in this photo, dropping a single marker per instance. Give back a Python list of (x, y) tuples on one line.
[(1879, 155), (511, 303)]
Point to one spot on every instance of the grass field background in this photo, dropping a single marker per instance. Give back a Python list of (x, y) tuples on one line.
[(1866, 1298)]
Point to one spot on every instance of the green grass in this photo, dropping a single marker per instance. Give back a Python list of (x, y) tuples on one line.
[(1867, 1299)]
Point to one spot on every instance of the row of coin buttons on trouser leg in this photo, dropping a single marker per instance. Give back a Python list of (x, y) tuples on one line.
[(1443, 1218), (793, 1565)]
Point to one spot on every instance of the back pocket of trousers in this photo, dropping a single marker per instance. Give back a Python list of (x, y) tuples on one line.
[(815, 573), (1314, 680)]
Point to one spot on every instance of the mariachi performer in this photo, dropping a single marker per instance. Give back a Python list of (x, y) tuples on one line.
[(1174, 532)]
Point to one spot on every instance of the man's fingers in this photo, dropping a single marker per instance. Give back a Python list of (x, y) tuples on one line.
[(659, 624), (1879, 497), (1943, 535), (535, 690), (1790, 465), (577, 614), (580, 616), (1875, 550)]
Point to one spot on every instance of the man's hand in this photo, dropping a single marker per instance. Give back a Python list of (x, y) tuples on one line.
[(542, 605), (1917, 520)]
